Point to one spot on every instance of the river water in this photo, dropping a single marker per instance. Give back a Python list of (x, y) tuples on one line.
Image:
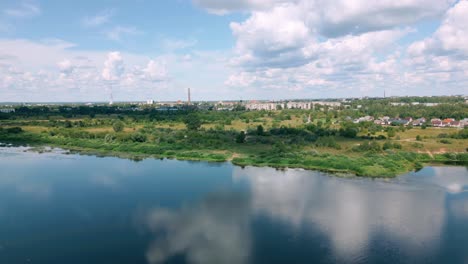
[(65, 208)]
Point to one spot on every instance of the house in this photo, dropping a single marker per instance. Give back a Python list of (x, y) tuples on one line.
[(464, 122), (455, 124), (436, 122), (399, 122), (419, 121), (447, 121)]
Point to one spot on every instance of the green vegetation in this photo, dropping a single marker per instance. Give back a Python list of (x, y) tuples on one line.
[(284, 138)]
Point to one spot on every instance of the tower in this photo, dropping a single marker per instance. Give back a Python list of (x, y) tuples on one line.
[(189, 101)]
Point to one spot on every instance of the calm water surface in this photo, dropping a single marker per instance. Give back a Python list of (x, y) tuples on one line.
[(57, 208)]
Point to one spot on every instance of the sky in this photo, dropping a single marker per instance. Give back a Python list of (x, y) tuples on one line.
[(84, 51)]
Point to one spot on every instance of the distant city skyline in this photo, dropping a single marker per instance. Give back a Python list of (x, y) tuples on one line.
[(89, 51)]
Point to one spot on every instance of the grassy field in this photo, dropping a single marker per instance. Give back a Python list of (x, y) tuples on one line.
[(217, 142)]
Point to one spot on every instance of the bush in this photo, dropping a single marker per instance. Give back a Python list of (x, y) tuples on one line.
[(327, 142), (14, 130), (192, 122), (118, 126), (138, 137), (445, 141), (240, 138), (418, 138), (381, 137), (373, 146), (260, 130)]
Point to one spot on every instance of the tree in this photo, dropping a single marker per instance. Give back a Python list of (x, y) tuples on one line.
[(118, 126), (192, 122), (240, 138), (260, 130), (391, 132), (349, 131)]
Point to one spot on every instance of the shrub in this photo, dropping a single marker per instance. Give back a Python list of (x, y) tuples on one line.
[(260, 130), (327, 142), (445, 141), (138, 137), (192, 122), (118, 126), (14, 130), (109, 138), (240, 138)]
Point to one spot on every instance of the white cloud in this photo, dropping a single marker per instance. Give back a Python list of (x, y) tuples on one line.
[(357, 16), (214, 231), (24, 10), (272, 38), (442, 57), (65, 66), (113, 67), (117, 33), (178, 44), (349, 46), (98, 19), (342, 17), (450, 38), (155, 71), (57, 70), (222, 7), (347, 211)]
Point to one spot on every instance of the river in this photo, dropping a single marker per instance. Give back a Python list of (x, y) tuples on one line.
[(66, 208)]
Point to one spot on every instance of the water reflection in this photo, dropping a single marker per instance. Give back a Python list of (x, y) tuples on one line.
[(350, 212), (214, 231), (204, 213)]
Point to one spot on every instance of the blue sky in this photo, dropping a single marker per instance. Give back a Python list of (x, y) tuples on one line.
[(251, 49)]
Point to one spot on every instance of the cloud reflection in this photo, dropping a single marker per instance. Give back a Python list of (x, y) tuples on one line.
[(214, 231), (351, 212)]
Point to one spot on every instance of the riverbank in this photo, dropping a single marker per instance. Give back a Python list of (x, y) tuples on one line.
[(386, 164)]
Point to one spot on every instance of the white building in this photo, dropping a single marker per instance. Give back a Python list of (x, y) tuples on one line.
[(262, 106), (7, 110), (299, 105)]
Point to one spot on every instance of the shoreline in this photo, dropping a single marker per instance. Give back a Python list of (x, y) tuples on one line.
[(236, 160)]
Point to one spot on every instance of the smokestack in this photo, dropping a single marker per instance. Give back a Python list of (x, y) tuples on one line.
[(189, 101)]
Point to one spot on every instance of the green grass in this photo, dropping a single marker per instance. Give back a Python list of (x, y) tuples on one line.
[(171, 140)]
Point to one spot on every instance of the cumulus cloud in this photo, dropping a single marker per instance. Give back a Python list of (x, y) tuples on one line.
[(450, 38), (222, 7), (342, 17), (272, 38), (342, 45), (66, 66), (56, 70), (155, 71), (442, 57), (113, 67)]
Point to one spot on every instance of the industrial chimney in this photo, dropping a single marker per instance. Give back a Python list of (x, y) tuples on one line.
[(189, 101)]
